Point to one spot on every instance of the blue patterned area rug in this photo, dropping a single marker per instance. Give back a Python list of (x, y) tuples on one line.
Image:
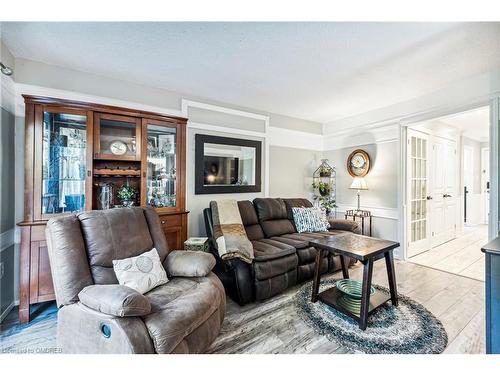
[(408, 328), (36, 337)]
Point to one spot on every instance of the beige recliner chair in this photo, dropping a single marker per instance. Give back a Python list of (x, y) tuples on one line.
[(97, 315)]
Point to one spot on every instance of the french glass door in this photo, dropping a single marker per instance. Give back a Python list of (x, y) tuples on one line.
[(418, 192)]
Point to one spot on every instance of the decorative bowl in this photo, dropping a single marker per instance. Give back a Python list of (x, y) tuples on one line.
[(352, 288)]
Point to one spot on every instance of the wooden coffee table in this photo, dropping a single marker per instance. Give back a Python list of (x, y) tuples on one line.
[(367, 250)]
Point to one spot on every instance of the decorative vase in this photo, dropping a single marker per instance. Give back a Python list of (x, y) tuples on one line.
[(128, 202)]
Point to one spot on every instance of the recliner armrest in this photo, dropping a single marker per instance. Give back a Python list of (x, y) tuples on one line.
[(117, 300), (185, 263), (341, 224)]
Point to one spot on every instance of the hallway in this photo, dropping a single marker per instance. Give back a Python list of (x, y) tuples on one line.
[(461, 256)]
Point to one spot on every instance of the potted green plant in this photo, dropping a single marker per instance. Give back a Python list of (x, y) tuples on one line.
[(127, 195), (327, 203), (324, 188), (324, 171)]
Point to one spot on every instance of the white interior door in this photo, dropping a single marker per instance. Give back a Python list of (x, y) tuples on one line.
[(444, 190), (417, 196), (485, 181)]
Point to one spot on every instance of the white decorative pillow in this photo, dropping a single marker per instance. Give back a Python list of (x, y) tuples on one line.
[(309, 219), (142, 273)]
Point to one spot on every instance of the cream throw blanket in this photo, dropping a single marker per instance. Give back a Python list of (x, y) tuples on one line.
[(229, 233)]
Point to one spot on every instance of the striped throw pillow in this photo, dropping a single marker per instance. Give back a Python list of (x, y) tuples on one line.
[(309, 219)]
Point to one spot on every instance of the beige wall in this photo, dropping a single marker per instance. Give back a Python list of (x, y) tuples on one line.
[(382, 180), (291, 171), (197, 202)]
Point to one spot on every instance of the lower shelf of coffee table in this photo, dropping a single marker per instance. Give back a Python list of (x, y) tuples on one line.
[(332, 295)]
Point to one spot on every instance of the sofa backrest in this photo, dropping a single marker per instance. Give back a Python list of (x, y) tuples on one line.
[(82, 247), (273, 217), (295, 202), (250, 220)]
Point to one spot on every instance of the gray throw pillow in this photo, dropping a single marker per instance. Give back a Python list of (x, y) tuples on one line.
[(309, 219)]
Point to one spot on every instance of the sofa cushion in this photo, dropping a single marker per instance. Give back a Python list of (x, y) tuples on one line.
[(116, 300), (179, 307), (306, 236), (270, 208), (275, 285), (268, 249), (186, 263), (273, 217), (345, 225), (68, 258), (295, 202), (113, 234), (271, 268), (307, 255), (250, 220), (297, 243)]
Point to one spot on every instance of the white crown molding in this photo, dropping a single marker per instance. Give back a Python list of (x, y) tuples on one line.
[(225, 129), (72, 95), (361, 136), (295, 139), (376, 211), (6, 239), (215, 108)]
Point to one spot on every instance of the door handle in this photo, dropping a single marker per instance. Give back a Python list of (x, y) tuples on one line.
[(429, 197), (446, 196)]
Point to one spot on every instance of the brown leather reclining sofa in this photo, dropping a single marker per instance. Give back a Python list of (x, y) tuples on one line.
[(283, 257)]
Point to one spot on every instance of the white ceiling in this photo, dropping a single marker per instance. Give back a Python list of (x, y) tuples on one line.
[(473, 124), (315, 71)]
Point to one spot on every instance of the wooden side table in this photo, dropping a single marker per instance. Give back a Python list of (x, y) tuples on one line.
[(367, 251), (364, 215)]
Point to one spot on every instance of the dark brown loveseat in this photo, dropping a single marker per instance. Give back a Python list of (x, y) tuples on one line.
[(283, 257)]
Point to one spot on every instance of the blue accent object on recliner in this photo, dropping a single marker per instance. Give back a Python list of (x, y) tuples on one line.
[(106, 330)]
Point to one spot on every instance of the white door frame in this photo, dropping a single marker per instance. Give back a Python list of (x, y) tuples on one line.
[(494, 224), (484, 195), (494, 141)]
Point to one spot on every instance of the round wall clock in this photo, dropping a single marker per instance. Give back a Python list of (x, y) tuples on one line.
[(358, 163), (118, 148)]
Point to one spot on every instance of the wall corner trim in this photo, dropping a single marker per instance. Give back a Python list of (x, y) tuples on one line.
[(6, 239)]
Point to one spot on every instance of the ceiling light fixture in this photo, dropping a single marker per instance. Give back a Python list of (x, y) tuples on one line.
[(6, 70)]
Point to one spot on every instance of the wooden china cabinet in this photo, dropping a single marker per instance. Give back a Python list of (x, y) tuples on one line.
[(77, 157)]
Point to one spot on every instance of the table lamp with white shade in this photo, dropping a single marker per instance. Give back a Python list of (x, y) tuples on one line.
[(358, 183)]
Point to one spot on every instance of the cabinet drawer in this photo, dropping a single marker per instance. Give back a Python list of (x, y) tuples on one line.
[(171, 221)]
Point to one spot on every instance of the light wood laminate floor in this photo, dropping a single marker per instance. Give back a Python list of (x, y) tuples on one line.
[(273, 326), (461, 256)]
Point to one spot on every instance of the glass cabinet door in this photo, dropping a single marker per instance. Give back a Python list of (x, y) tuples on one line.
[(161, 168), (64, 162), (117, 137)]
